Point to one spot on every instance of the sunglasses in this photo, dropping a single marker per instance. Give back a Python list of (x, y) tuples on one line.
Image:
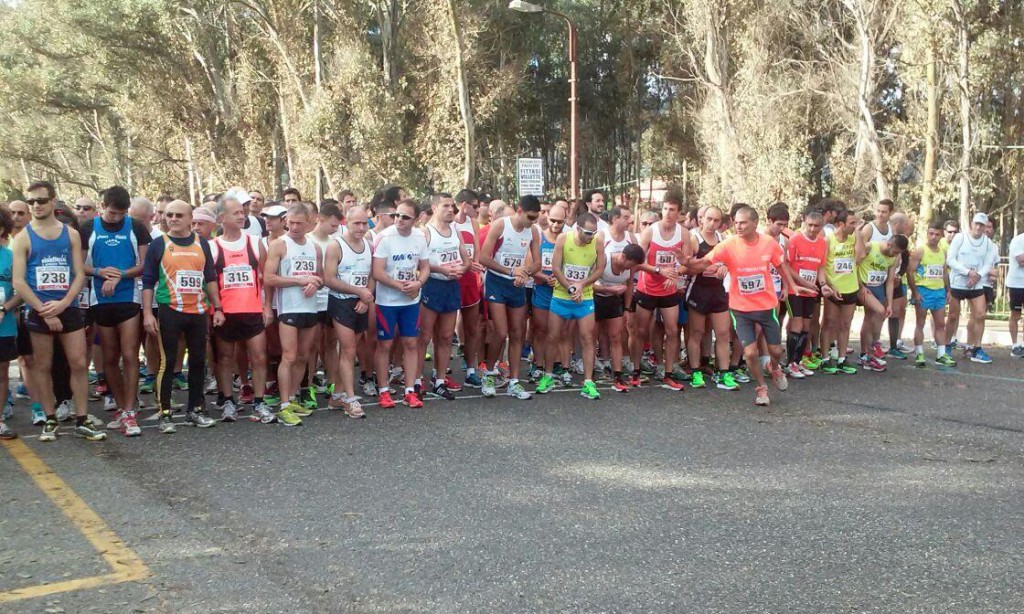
[(38, 201), (174, 216), (403, 217), (532, 216), (646, 224), (554, 221), (588, 233)]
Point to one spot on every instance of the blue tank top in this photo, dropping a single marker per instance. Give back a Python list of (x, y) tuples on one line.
[(49, 268), (547, 251), (9, 323), (118, 249)]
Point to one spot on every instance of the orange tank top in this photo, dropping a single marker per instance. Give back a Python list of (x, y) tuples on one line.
[(238, 276)]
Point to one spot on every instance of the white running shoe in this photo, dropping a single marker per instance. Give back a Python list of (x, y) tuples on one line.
[(109, 404), (65, 411), (793, 370), (516, 391)]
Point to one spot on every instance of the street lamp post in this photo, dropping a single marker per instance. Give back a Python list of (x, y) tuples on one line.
[(574, 160)]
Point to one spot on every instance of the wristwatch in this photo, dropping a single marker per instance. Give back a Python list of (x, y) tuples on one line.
[(657, 270), (572, 289)]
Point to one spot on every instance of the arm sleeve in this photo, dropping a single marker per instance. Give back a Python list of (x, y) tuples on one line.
[(209, 274), (142, 236), (952, 253), (151, 267)]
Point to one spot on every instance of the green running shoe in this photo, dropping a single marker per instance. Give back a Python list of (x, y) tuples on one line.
[(300, 409), (847, 369), (919, 360), (288, 417), (725, 381), (829, 366), (697, 379), (308, 399), (146, 385), (272, 400), (546, 384), (810, 362), (180, 382), (741, 375), (897, 353), (589, 390), (945, 360)]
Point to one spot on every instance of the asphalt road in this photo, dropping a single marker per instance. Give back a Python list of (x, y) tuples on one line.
[(898, 492)]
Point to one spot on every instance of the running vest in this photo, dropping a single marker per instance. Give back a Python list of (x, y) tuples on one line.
[(465, 230), (707, 279), (118, 249), (841, 265), (181, 284), (442, 249), (971, 253), (238, 275), (9, 323), (931, 271), (324, 291), (298, 261), (511, 248), (612, 247), (878, 235), (577, 263), (49, 266), (354, 267), (660, 253), (776, 276), (874, 269), (547, 252)]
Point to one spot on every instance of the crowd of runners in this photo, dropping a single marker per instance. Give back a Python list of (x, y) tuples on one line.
[(269, 305)]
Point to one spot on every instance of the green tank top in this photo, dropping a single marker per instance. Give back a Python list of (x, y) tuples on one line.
[(931, 272), (841, 265), (874, 269), (577, 263)]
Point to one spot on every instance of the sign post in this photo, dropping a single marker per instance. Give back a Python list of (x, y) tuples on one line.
[(530, 174)]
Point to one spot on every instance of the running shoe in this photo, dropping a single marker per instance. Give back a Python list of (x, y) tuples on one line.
[(301, 410), (49, 430), (536, 372), (262, 414), (897, 353), (634, 379), (527, 354), (545, 385), (354, 409), (872, 364), (246, 395), (87, 432), (487, 386), (919, 360), (793, 370), (566, 379), (473, 381), (516, 391), (130, 424), (65, 411), (210, 385), (670, 384), (846, 368), (589, 390), (627, 364), (979, 356), (725, 381), (93, 377), (412, 400), (646, 366), (115, 424), (21, 391), (953, 344), (427, 356), (179, 382), (198, 418), (165, 424), (679, 375), (697, 379), (109, 404), (93, 421), (287, 417), (946, 361), (779, 377), (369, 388), (741, 375), (451, 384), (902, 347), (271, 399), (806, 372), (810, 363), (308, 399), (8, 410), (877, 351), (442, 391), (146, 385), (319, 383), (1017, 351), (577, 366), (503, 370), (6, 433), (761, 397), (229, 413), (385, 401), (102, 388), (619, 384), (830, 367)]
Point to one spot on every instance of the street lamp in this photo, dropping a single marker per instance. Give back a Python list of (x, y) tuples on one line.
[(574, 161)]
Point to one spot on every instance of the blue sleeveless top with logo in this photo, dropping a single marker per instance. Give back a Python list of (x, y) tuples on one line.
[(118, 249), (49, 266), (9, 323)]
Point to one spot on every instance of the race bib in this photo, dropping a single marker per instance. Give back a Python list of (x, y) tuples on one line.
[(511, 261), (360, 280), (239, 276), (3, 296), (809, 275), (546, 258), (189, 282), (303, 266), (776, 279), (664, 259), (53, 278), (842, 266), (83, 296), (751, 284), (934, 271), (471, 250), (405, 275), (877, 278), (574, 272), (449, 256)]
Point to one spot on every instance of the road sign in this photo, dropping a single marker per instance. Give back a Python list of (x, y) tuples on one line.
[(530, 172)]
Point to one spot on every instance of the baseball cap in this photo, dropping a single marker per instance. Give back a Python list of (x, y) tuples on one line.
[(273, 211), (980, 218), (239, 194)]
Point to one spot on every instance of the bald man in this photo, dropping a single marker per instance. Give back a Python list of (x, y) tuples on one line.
[(900, 224)]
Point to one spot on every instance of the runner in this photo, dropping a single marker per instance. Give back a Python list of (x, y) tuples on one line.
[(347, 269), (970, 259), (877, 275), (613, 291), (469, 285), (256, 202), (708, 300), (294, 268), (504, 252), (238, 259), (400, 261), (842, 280), (544, 284), (749, 256), (9, 303), (806, 255), (115, 246), (327, 224), (1015, 290), (594, 200), (442, 300), (950, 229), (48, 274), (576, 264), (274, 217), (879, 230), (900, 224), (177, 270), (929, 284)]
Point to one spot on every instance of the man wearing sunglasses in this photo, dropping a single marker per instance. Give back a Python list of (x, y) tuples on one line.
[(576, 264), (544, 285), (509, 241), (48, 273), (85, 211), (471, 294)]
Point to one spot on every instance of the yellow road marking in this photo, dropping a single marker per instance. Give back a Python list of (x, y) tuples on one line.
[(125, 565)]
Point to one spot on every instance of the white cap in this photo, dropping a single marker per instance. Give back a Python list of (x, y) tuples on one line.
[(239, 194), (274, 211), (980, 218)]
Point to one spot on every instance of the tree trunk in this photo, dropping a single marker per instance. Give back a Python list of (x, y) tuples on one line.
[(963, 84), (389, 18), (465, 102), (190, 171), (869, 146), (732, 174), (931, 142)]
